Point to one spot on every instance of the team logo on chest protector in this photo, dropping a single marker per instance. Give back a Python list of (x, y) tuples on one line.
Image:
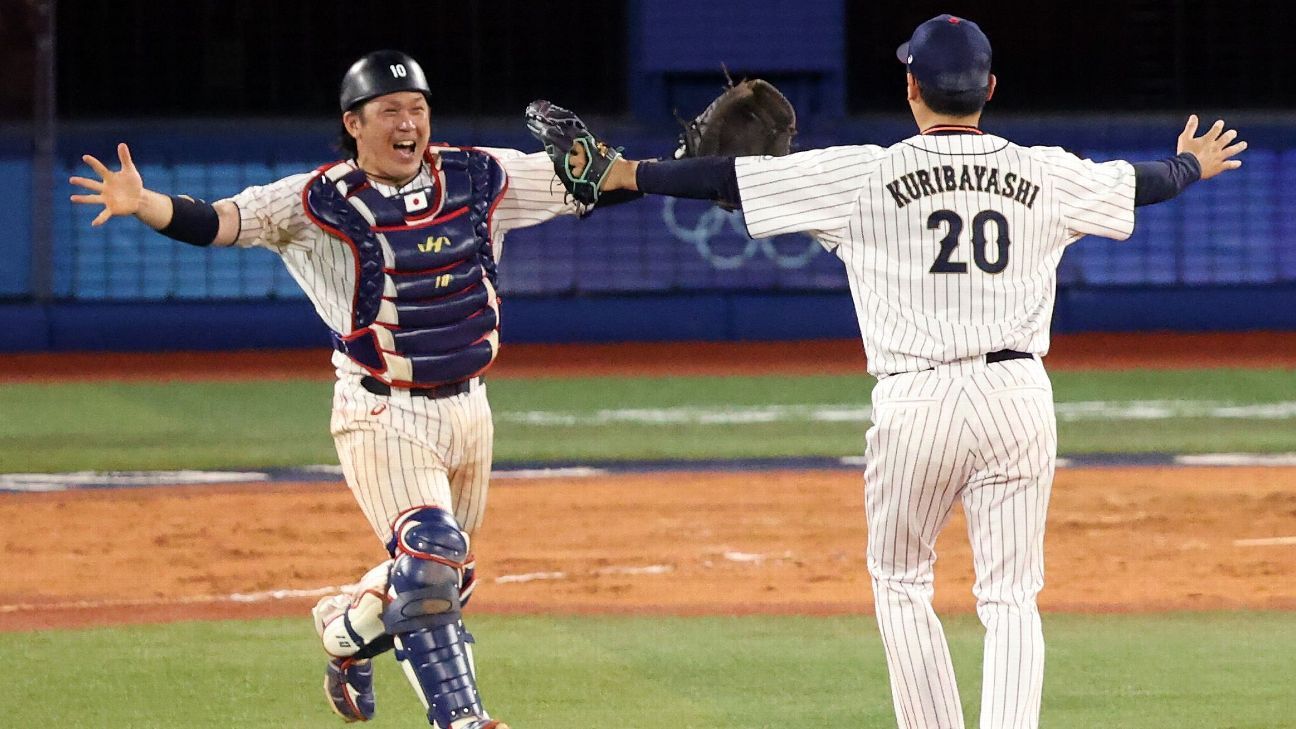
[(425, 311)]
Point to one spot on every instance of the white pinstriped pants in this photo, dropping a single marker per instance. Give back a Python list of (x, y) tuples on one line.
[(985, 434), (398, 452)]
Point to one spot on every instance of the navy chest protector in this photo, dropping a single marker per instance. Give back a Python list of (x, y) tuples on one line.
[(425, 311)]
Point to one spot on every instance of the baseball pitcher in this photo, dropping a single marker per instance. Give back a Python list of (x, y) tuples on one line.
[(951, 240)]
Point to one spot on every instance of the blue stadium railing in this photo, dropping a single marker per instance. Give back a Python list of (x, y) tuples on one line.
[(1237, 230), (1236, 233)]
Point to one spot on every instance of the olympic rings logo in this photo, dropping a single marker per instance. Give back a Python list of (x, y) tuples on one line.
[(714, 221)]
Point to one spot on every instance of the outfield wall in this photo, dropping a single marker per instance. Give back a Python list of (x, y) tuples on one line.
[(228, 325), (1223, 257)]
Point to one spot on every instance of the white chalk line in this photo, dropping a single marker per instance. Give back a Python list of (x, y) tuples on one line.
[(45, 482), (534, 473), (651, 569), (1265, 542), (530, 577), (861, 461), (237, 597), (51, 482), (292, 594), (519, 473), (1237, 459), (1096, 410)]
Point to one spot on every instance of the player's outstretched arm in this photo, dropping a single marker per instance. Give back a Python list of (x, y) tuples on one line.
[(1214, 149), (1196, 158), (122, 193), (696, 178), (589, 168)]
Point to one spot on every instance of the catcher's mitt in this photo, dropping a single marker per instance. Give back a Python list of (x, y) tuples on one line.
[(751, 118), (560, 131)]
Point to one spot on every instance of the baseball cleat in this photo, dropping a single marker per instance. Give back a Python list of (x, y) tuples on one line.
[(478, 723), (348, 684)]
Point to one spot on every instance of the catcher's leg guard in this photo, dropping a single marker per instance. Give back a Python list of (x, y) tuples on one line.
[(424, 613)]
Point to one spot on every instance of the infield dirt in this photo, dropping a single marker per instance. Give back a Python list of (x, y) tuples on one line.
[(1128, 539)]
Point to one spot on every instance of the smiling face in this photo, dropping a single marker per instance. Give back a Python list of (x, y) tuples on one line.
[(391, 133)]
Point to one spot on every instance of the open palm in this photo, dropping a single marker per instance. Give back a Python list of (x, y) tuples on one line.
[(119, 192), (1214, 149)]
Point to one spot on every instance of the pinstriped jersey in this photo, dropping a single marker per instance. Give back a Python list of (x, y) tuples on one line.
[(273, 216), (951, 241)]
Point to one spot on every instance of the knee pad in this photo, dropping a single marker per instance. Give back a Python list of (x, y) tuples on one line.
[(431, 553), (469, 581), (350, 624)]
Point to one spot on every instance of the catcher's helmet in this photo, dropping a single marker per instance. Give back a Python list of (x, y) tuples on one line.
[(381, 72)]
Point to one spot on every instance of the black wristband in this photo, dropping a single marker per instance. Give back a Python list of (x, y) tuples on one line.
[(617, 197), (192, 221), (609, 199)]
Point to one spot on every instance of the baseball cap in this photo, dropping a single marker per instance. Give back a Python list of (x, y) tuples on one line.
[(948, 53)]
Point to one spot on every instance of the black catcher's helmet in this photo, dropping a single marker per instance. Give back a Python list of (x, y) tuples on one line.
[(379, 73)]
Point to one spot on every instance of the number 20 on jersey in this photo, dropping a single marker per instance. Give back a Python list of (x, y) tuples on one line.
[(945, 262)]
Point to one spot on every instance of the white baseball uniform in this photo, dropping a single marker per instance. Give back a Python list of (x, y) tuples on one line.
[(951, 241), (397, 451)]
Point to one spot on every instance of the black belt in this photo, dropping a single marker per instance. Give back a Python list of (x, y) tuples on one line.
[(1004, 355), (378, 387)]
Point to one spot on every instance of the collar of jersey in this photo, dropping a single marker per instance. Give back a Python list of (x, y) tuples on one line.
[(423, 179), (941, 130)]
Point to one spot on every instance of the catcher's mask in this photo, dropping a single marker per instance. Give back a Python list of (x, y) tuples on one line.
[(380, 73)]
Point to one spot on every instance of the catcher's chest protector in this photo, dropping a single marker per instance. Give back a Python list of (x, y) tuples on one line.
[(425, 311)]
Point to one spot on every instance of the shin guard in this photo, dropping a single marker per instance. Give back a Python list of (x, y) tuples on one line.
[(424, 614)]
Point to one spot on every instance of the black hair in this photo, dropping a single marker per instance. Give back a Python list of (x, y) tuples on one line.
[(345, 142), (957, 103)]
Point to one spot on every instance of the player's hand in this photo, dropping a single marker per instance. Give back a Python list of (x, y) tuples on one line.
[(579, 158), (620, 177), (1214, 149), (119, 192)]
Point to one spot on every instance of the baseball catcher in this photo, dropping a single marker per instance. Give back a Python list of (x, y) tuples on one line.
[(396, 244), (750, 118)]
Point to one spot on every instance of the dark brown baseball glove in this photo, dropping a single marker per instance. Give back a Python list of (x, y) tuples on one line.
[(750, 118)]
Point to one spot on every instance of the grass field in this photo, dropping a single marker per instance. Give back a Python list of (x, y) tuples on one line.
[(102, 426), (1130, 672), (1156, 672)]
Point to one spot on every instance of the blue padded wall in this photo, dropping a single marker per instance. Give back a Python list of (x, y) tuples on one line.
[(1235, 230), (15, 221), (1221, 256)]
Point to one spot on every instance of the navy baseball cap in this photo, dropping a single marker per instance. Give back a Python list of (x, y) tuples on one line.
[(948, 53)]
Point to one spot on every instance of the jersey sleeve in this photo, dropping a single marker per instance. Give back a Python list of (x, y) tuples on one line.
[(534, 194), (813, 192), (272, 216), (1097, 198)]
